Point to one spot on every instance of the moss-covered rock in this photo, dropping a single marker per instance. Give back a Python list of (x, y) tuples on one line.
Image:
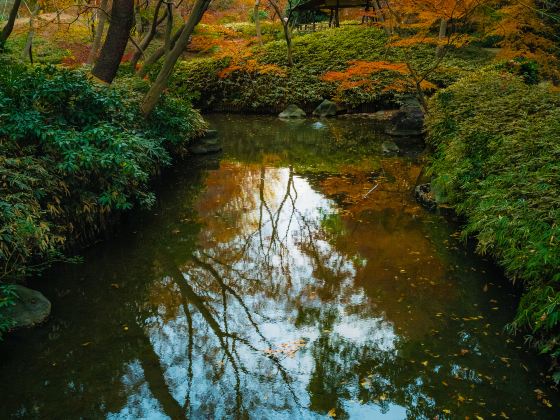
[(30, 308)]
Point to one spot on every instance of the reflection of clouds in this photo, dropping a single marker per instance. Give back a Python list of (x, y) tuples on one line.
[(140, 403), (374, 332), (265, 276)]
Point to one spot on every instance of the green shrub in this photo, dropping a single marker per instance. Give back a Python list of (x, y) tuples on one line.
[(73, 153), (250, 86), (7, 298), (497, 160)]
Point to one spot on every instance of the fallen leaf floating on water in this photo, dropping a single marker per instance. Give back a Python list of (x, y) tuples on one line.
[(332, 412), (288, 349), (87, 343)]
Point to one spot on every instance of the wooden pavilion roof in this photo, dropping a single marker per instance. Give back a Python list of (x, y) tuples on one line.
[(331, 4)]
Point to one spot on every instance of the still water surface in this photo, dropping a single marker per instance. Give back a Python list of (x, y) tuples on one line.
[(289, 277)]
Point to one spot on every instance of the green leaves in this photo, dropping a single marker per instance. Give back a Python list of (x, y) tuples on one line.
[(497, 160), (71, 153)]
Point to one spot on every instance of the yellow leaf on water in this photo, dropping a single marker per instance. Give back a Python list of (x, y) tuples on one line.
[(446, 411), (425, 363), (504, 415), (479, 418), (332, 412), (546, 402)]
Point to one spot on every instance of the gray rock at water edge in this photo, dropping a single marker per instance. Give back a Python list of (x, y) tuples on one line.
[(292, 111), (389, 148), (30, 309), (209, 143), (326, 109), (424, 196), (409, 121), (210, 134)]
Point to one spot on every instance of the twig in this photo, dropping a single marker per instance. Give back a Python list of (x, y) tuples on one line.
[(372, 189)]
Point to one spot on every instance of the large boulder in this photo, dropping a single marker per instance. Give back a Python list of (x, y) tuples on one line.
[(292, 111), (409, 121), (30, 309), (209, 143), (326, 109)]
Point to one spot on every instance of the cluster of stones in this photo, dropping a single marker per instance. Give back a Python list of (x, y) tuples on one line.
[(407, 121)]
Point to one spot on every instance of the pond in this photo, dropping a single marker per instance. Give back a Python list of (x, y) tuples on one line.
[(292, 276)]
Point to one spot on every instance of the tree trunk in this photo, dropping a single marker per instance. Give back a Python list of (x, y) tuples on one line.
[(288, 37), (122, 17), (336, 15), (149, 36), (138, 19), (168, 28), (441, 37), (7, 30), (157, 54), (379, 14), (101, 19), (153, 95), (286, 27), (257, 21), (27, 50)]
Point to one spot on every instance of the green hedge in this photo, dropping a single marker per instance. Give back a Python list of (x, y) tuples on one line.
[(72, 154), (314, 55), (497, 160)]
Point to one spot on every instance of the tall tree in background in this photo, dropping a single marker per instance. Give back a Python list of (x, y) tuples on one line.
[(152, 97), (102, 13), (121, 20), (9, 27), (257, 19), (147, 39), (285, 21), (28, 48), (421, 17)]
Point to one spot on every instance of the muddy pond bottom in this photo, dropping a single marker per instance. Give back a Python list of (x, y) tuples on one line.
[(290, 277)]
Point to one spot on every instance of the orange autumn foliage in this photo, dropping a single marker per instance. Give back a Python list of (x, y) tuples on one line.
[(362, 69), (359, 74), (526, 34), (252, 67)]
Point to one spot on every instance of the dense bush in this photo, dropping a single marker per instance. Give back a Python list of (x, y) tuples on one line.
[(497, 160), (7, 298), (257, 79), (73, 153)]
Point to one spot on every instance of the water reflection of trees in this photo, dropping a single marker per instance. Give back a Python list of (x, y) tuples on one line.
[(279, 255), (289, 270), (268, 262)]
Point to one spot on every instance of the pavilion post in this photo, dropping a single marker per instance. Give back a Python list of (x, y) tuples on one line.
[(336, 16)]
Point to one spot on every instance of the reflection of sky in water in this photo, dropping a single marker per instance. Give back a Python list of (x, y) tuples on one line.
[(275, 295), (140, 404), (273, 258)]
